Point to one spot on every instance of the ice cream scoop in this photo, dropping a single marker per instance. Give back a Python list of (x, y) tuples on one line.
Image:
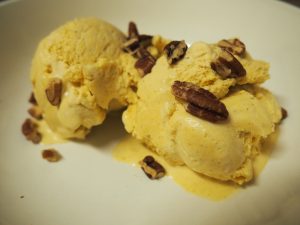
[(85, 56), (224, 150)]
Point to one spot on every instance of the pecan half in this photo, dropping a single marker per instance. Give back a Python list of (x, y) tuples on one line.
[(152, 168), (175, 51), (145, 63), (54, 91), (35, 112), (51, 155), (201, 102), (32, 99), (29, 129), (227, 66), (234, 46)]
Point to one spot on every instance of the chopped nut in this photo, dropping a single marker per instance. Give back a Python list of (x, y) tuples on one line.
[(144, 64), (29, 129), (201, 102), (152, 168), (36, 112), (234, 46), (51, 155), (227, 66), (175, 51), (132, 30), (145, 40), (284, 113), (32, 99), (131, 46), (54, 91)]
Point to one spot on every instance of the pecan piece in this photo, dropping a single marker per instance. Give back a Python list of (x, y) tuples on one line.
[(131, 46), (145, 63), (234, 46), (132, 30), (51, 155), (175, 51), (29, 129), (145, 40), (32, 99), (152, 168), (54, 91), (284, 113), (201, 102), (227, 66), (35, 112)]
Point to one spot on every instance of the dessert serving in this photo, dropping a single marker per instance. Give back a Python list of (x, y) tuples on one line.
[(200, 107)]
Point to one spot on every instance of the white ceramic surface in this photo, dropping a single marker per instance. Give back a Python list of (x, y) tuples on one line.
[(89, 187)]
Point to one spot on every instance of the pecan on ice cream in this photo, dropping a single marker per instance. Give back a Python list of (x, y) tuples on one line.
[(54, 91), (227, 66), (234, 46), (175, 51), (200, 102)]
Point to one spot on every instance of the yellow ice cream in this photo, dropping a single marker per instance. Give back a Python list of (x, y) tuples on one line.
[(97, 76), (223, 151)]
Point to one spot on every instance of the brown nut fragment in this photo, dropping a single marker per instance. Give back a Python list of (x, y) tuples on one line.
[(32, 99), (234, 46), (145, 40), (175, 51), (227, 66), (54, 91), (201, 102), (51, 155), (30, 131), (284, 113), (132, 30), (131, 46), (152, 168), (145, 63), (36, 112)]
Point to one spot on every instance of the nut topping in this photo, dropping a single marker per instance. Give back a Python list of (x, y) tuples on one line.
[(175, 51), (29, 129), (201, 102), (35, 112), (135, 40), (51, 155), (284, 113), (152, 168), (32, 99), (227, 66), (131, 45), (234, 46), (145, 63), (145, 40), (132, 30), (54, 91)]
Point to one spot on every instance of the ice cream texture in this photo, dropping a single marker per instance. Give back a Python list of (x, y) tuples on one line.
[(224, 151), (97, 76)]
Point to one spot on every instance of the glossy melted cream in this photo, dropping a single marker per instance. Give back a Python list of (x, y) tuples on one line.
[(131, 151)]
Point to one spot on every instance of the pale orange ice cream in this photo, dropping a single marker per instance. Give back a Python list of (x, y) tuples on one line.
[(97, 76), (224, 150)]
